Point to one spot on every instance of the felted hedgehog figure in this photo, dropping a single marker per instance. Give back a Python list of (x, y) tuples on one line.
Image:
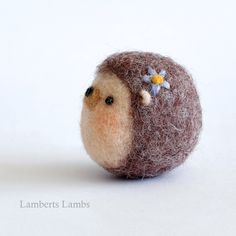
[(141, 116)]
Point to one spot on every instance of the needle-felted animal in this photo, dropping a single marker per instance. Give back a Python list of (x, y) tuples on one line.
[(141, 116)]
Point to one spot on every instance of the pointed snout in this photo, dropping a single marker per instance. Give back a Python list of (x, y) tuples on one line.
[(92, 97)]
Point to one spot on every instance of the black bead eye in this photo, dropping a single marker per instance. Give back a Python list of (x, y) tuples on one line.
[(89, 91), (109, 100)]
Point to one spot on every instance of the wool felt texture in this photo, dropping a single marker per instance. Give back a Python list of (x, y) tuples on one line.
[(161, 129), (106, 129)]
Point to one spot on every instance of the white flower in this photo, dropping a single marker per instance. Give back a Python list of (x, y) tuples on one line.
[(157, 80)]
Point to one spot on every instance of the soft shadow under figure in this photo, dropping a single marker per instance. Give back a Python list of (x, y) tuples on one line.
[(16, 173), (61, 173)]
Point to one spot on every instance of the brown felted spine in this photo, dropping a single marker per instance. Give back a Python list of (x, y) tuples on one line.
[(165, 131)]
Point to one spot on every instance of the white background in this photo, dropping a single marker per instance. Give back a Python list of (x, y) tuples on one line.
[(48, 54)]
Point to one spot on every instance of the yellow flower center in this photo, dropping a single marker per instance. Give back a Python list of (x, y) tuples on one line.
[(157, 79)]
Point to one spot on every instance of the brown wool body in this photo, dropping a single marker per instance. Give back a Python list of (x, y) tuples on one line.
[(166, 130)]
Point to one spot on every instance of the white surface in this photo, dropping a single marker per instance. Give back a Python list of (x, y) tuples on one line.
[(48, 54)]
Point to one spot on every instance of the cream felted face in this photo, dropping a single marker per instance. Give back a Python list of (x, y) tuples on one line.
[(107, 129)]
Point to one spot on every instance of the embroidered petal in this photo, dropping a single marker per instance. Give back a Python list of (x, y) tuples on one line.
[(147, 78), (155, 90), (166, 85), (162, 73), (151, 71)]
